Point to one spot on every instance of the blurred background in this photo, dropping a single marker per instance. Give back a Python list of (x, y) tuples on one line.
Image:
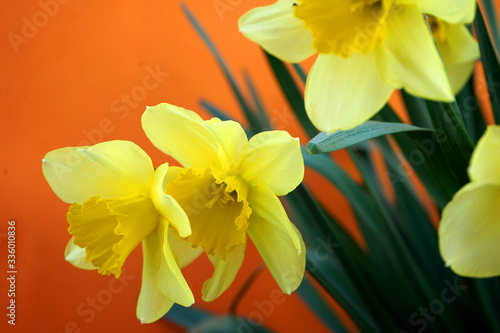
[(78, 73)]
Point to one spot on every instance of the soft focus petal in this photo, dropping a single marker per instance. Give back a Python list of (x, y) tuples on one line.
[(459, 74), (168, 206), (278, 31), (485, 161), (181, 134), (224, 273), (109, 170), (76, 256), (273, 158), (459, 51), (232, 142), (265, 204), (409, 58), (162, 281), (469, 231), (460, 46), (279, 253), (183, 250), (452, 11), (342, 93)]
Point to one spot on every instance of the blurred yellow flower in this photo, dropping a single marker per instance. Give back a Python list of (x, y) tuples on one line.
[(228, 188), (469, 232), (367, 48), (458, 49), (118, 202)]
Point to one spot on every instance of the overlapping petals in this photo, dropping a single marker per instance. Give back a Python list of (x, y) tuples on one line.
[(366, 50), (118, 203), (230, 186)]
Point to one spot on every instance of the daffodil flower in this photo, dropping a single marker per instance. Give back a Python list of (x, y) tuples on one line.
[(367, 49), (458, 49), (118, 202), (228, 188), (469, 231)]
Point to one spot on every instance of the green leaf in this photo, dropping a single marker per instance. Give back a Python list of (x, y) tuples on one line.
[(320, 307), (325, 143), (489, 12), (252, 116), (454, 141), (225, 324), (490, 63)]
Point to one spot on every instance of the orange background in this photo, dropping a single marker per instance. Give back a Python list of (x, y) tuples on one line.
[(67, 69)]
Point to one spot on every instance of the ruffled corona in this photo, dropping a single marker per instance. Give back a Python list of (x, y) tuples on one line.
[(218, 215), (110, 229), (346, 27), (118, 202)]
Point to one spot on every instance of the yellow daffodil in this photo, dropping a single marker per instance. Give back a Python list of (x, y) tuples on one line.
[(458, 49), (228, 188), (118, 202), (469, 232), (367, 48)]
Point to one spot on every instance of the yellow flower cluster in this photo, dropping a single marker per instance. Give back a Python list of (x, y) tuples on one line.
[(226, 189), (367, 49)]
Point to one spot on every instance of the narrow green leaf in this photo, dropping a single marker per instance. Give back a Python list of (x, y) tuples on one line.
[(228, 324), (417, 111), (187, 317), (490, 14), (471, 112), (490, 63), (214, 110), (456, 144), (250, 114), (325, 143), (320, 307)]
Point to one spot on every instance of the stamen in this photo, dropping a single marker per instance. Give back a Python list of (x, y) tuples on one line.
[(220, 195)]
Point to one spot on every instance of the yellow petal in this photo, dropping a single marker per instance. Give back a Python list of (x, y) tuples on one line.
[(459, 51), (409, 58), (76, 256), (267, 205), (110, 170), (278, 31), (152, 304), (279, 252), (485, 161), (342, 93), (459, 45), (110, 229), (224, 273), (166, 205), (170, 281), (232, 142), (452, 11), (469, 231), (183, 251), (181, 134), (273, 158)]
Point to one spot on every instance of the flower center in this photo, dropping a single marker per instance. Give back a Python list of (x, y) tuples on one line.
[(218, 211), (110, 229), (345, 27), (439, 29)]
